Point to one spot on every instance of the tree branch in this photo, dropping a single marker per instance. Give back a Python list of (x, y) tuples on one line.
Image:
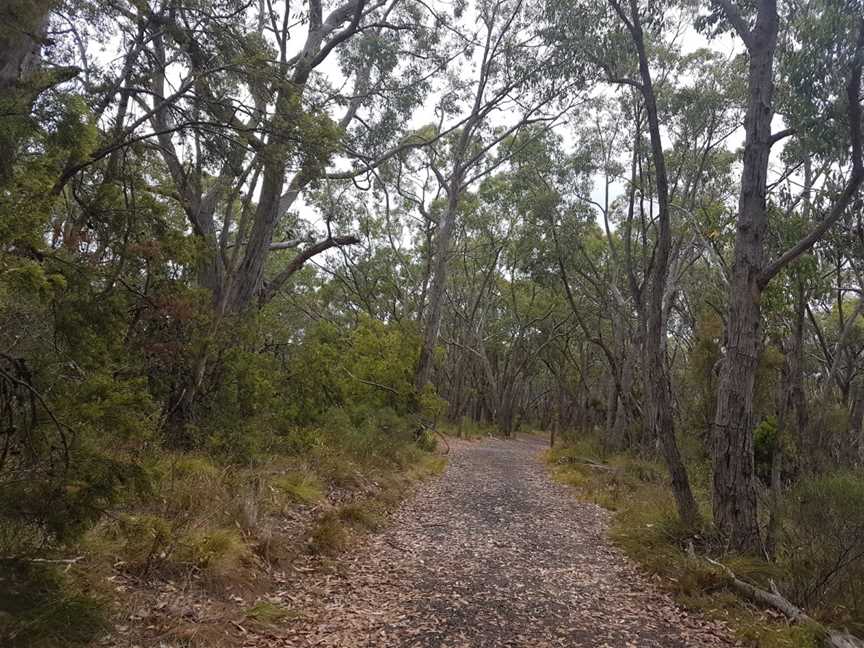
[(853, 95), (734, 17), (275, 285)]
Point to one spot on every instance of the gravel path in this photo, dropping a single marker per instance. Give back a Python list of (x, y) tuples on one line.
[(492, 553)]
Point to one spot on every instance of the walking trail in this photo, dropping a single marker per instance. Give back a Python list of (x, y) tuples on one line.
[(492, 553)]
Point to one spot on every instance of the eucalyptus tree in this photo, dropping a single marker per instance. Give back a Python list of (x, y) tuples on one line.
[(25, 27), (238, 108), (824, 49), (276, 110), (504, 87), (501, 315), (620, 40)]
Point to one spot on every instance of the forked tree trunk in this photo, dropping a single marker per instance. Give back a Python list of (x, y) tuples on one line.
[(434, 307), (735, 514)]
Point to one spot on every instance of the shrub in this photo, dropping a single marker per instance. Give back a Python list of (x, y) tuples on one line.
[(822, 546), (38, 609), (765, 444)]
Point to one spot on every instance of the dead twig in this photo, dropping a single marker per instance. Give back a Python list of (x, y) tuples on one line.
[(47, 561), (444, 439)]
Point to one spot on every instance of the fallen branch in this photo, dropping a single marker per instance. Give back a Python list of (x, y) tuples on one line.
[(776, 600), (47, 561), (444, 439)]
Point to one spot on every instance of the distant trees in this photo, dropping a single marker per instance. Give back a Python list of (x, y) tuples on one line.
[(509, 87)]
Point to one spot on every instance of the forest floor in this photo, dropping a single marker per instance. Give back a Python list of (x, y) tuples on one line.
[(492, 553)]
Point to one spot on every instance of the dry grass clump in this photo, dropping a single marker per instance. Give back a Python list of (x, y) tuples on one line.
[(300, 487)]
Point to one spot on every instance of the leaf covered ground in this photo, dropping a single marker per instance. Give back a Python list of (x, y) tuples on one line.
[(493, 553)]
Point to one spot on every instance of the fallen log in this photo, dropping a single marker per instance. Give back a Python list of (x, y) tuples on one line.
[(774, 599)]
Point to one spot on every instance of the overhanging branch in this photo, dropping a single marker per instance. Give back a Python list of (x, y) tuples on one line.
[(272, 287)]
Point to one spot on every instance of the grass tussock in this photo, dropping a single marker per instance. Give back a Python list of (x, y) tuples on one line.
[(329, 536), (270, 613), (300, 487), (646, 527)]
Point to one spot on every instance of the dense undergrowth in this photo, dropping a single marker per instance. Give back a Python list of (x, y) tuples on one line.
[(816, 536), (209, 525), (289, 453)]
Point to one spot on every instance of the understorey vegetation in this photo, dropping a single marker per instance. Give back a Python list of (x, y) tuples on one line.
[(258, 257), (815, 563)]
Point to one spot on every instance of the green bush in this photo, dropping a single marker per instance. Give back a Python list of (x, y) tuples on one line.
[(41, 510), (765, 444), (822, 546)]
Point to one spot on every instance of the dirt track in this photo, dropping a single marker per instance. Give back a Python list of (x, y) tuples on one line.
[(493, 553)]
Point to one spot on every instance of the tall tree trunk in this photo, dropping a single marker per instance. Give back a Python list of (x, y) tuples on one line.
[(734, 494), (435, 298), (628, 411), (856, 427), (735, 514), (798, 397), (23, 25), (611, 413)]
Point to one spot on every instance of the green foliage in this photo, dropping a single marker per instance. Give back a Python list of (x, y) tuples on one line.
[(44, 509), (700, 384), (371, 365), (765, 444), (822, 546), (241, 413)]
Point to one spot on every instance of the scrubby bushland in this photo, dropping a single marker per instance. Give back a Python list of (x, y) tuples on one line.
[(821, 549), (226, 242), (91, 469)]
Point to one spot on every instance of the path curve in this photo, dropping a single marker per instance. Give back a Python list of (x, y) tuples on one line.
[(493, 553)]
